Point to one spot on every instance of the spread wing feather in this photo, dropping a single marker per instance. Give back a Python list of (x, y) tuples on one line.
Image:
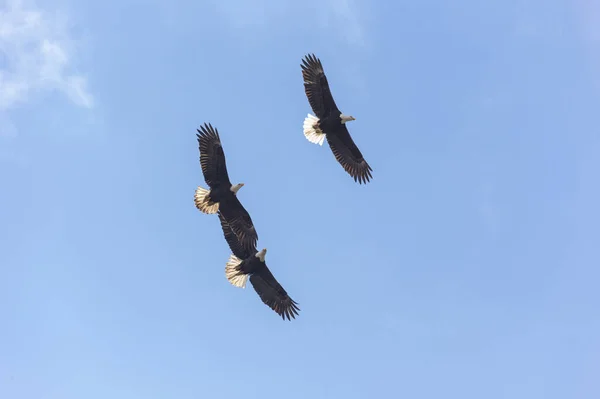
[(348, 155), (316, 87), (212, 158), (273, 295), (240, 222), (234, 244)]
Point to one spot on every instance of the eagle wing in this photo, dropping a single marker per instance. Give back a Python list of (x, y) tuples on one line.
[(212, 158), (234, 243), (240, 222), (316, 87), (273, 295), (348, 155)]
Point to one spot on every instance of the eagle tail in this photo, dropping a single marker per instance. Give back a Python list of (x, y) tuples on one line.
[(203, 201), (233, 272), (312, 131)]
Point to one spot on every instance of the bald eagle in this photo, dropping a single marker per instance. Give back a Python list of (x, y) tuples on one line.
[(222, 195), (330, 122), (244, 263)]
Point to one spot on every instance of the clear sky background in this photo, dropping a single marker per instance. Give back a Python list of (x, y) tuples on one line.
[(467, 268)]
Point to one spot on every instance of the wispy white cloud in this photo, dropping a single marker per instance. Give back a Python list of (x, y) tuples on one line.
[(589, 11), (342, 21), (36, 53), (343, 17), (248, 14)]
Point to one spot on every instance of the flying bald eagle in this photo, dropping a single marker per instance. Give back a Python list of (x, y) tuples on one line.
[(243, 263), (330, 122), (222, 196)]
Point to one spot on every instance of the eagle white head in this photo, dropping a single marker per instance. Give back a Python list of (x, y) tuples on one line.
[(346, 118), (237, 187), (261, 254)]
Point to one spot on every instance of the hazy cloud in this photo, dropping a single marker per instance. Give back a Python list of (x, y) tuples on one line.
[(341, 16), (36, 53), (589, 12), (345, 15)]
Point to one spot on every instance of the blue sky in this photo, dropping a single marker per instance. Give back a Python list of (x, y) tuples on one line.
[(467, 268)]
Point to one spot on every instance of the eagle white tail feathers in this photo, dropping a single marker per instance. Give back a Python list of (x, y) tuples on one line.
[(312, 132), (233, 274), (203, 202)]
